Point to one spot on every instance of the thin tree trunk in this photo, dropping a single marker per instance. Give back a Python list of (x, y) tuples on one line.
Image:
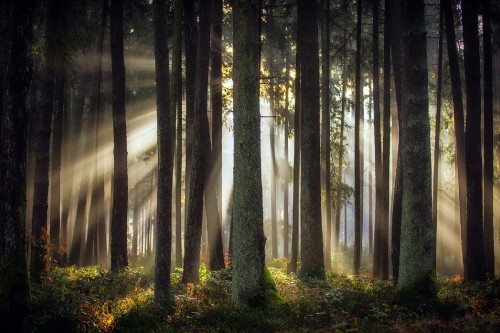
[(286, 234), (357, 160), (437, 132), (119, 258), (272, 147)]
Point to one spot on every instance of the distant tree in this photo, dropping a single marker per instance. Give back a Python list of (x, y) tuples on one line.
[(416, 264), (249, 240), (311, 245), (119, 258), (15, 290), (474, 255), (166, 124)]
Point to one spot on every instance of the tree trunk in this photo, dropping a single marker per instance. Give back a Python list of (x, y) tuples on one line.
[(42, 148), (474, 255), (384, 229), (272, 148), (119, 258), (249, 240), (176, 101), (190, 50), (311, 245), (15, 295), (357, 160), (325, 131), (296, 170), (286, 235), (458, 118), (489, 242), (437, 132), (416, 264)]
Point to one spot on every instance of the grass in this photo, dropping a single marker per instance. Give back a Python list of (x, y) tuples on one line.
[(94, 300)]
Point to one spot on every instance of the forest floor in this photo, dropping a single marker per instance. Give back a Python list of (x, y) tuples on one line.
[(91, 299)]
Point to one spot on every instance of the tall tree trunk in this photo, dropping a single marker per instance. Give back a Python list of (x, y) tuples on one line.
[(166, 130), (370, 181), (325, 131), (357, 161), (272, 148), (190, 50), (286, 235), (55, 183), (416, 264), (474, 255), (14, 303), (249, 240), (296, 169), (42, 149), (311, 245), (216, 96), (201, 157), (119, 258), (176, 102), (458, 118), (384, 230), (437, 132), (489, 242)]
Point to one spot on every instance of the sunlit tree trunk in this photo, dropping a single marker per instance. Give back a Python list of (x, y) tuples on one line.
[(311, 245), (458, 118), (325, 131), (489, 242), (474, 255), (292, 267), (14, 305), (357, 157), (119, 257), (416, 263)]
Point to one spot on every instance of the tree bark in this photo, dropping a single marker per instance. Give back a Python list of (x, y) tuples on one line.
[(311, 245), (119, 257), (474, 255), (357, 161), (249, 240)]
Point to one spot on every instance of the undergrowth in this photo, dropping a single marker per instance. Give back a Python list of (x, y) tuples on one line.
[(94, 300)]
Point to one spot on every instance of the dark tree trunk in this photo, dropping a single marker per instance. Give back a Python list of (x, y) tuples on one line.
[(437, 132), (216, 97), (357, 161), (272, 148), (15, 295), (489, 241), (325, 131), (292, 267), (474, 255), (176, 104), (286, 234), (384, 230), (119, 258), (311, 245), (201, 157), (166, 126), (458, 117), (42, 148), (190, 50), (416, 264), (249, 240)]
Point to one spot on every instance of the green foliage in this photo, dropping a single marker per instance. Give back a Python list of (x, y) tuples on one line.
[(93, 300)]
